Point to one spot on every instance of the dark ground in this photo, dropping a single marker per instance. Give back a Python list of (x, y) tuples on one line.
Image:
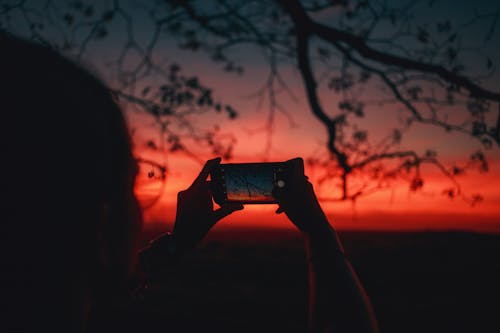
[(256, 281)]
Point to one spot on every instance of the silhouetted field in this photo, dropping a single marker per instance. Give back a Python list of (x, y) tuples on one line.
[(256, 281)]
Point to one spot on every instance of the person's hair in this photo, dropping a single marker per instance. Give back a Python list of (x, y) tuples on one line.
[(67, 174)]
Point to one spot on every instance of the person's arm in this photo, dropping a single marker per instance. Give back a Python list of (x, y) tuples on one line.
[(337, 300), (195, 216)]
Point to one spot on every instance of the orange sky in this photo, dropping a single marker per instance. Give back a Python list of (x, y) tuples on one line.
[(396, 208)]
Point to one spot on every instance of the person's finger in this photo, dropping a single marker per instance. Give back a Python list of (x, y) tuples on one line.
[(226, 209), (297, 165), (202, 177)]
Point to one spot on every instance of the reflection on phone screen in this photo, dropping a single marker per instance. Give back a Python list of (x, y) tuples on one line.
[(249, 182)]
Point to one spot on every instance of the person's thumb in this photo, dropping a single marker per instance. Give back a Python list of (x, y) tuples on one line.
[(226, 209)]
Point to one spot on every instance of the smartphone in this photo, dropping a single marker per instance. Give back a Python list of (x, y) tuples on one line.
[(246, 183)]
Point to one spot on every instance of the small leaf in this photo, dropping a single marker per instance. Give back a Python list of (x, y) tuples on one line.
[(396, 136), (451, 54), (443, 26), (488, 144), (68, 18), (101, 32), (108, 15), (478, 128), (364, 76), (477, 156), (476, 198), (345, 105), (423, 35), (89, 11), (192, 82), (359, 110), (416, 184), (174, 68), (360, 136), (151, 145), (414, 92), (455, 170), (449, 192), (231, 112), (145, 91), (393, 18), (430, 153), (489, 63)]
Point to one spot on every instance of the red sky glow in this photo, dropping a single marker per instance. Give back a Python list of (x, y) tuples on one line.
[(300, 134)]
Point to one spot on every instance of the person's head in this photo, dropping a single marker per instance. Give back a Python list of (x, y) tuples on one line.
[(69, 217)]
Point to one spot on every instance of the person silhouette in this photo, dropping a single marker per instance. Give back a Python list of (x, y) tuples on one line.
[(71, 223)]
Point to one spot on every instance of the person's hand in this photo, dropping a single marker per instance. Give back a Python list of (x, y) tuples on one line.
[(296, 198), (195, 211)]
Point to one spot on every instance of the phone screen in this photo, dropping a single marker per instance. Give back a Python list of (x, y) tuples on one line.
[(249, 182)]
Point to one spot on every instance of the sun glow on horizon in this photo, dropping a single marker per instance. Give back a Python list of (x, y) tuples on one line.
[(301, 134), (394, 209)]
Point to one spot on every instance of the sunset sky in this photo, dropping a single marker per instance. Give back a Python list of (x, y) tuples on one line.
[(394, 208)]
